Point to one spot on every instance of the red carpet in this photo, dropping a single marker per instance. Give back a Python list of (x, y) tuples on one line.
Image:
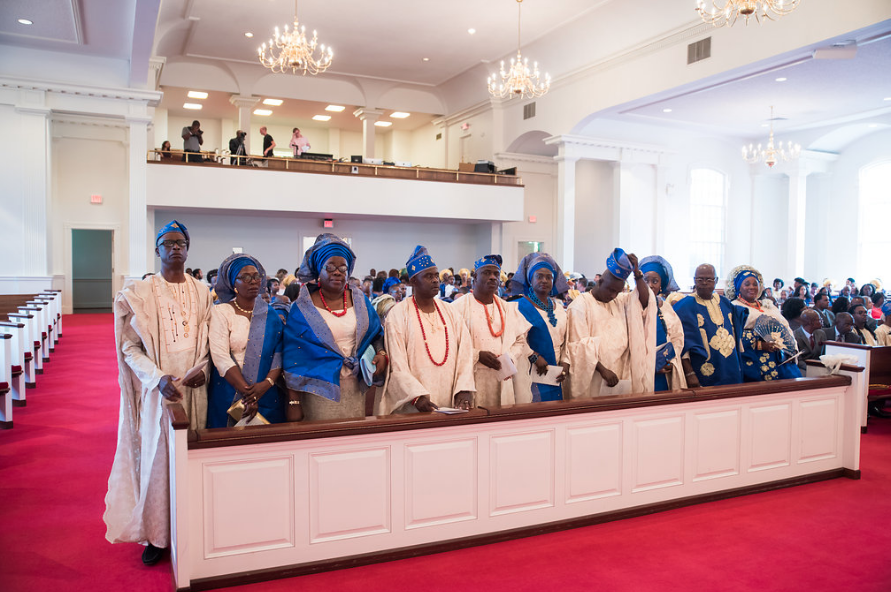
[(54, 464)]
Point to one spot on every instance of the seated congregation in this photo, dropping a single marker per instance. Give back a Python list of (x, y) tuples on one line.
[(242, 356)]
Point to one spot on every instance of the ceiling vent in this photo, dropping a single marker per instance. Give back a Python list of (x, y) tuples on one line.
[(529, 111), (699, 51)]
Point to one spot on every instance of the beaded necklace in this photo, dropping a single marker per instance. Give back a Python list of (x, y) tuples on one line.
[(325, 304), (247, 312), (756, 305), (548, 308), (424, 333), (489, 319)]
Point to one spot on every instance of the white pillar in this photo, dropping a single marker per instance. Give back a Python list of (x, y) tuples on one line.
[(35, 144), (368, 117), (245, 106), (497, 246), (139, 261), (797, 208), (660, 208), (565, 239)]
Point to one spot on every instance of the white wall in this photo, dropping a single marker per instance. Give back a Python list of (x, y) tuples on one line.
[(276, 239), (595, 231), (12, 198)]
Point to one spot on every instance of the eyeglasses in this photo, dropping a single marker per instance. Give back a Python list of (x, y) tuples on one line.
[(705, 280), (169, 243), (332, 268), (249, 277)]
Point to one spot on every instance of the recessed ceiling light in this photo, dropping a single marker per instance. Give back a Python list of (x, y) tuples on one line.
[(248, 34), (383, 123), (321, 117), (197, 94), (335, 108), (26, 22), (888, 98), (195, 106), (273, 102), (666, 110), (263, 112), (781, 79), (873, 125), (399, 114), (428, 59), (471, 31)]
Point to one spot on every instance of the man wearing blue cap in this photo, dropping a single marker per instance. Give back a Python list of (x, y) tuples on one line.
[(161, 332), (883, 331), (431, 353), (497, 328), (612, 334)]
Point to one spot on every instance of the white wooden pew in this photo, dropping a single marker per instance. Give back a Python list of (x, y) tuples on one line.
[(377, 489), (17, 337), (5, 381)]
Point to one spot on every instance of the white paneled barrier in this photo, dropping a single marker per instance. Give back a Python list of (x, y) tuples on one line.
[(324, 495)]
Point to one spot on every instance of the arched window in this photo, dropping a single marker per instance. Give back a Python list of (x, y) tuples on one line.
[(875, 208), (708, 191)]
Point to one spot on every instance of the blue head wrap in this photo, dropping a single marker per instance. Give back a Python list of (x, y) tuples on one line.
[(172, 226), (326, 246), (663, 268), (521, 283), (229, 270), (737, 276), (389, 283), (743, 276), (618, 264), (485, 260), (886, 308), (418, 262)]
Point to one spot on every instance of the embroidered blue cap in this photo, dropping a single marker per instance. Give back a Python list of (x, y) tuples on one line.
[(173, 226), (495, 260), (419, 261), (618, 264)]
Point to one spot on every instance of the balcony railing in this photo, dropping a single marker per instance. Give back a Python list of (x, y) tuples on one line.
[(335, 167)]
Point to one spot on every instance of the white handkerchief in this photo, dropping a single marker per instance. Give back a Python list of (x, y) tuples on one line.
[(193, 372), (550, 377), (508, 368), (623, 387), (450, 410)]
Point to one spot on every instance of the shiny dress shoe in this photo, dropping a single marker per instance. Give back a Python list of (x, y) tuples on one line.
[(152, 554), (876, 411)]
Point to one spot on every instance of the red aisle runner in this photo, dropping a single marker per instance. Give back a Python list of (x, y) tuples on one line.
[(54, 465)]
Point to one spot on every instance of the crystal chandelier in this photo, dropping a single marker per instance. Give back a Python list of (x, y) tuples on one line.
[(727, 11), (519, 81), (291, 51), (771, 155)]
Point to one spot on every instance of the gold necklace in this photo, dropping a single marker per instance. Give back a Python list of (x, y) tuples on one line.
[(247, 312)]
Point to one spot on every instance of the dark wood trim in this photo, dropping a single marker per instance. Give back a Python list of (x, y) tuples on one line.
[(845, 367), (31, 385), (863, 429), (19, 403), (262, 575), (20, 315), (178, 417), (5, 335), (367, 171), (850, 345), (16, 325), (5, 425), (39, 370), (852, 474), (222, 437), (45, 360)]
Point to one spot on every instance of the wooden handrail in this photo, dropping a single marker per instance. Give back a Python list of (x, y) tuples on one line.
[(330, 167)]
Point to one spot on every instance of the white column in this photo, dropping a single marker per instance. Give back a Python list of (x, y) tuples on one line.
[(660, 208), (139, 261), (797, 208), (565, 239), (368, 117), (35, 144), (443, 128), (245, 106), (497, 246)]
